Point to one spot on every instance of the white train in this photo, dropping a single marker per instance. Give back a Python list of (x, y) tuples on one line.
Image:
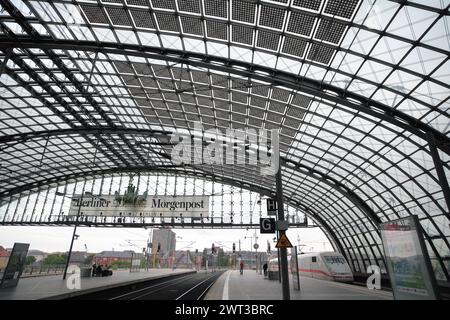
[(273, 265), (324, 265), (330, 266)]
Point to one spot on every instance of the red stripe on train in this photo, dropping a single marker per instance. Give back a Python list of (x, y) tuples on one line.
[(315, 271)]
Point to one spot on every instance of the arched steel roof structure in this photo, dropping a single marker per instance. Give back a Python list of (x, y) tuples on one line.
[(358, 89)]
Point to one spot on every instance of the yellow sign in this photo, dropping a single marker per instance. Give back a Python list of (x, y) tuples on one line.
[(283, 242)]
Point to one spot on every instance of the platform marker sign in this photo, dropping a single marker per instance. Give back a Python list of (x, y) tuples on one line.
[(271, 207), (267, 225), (283, 242)]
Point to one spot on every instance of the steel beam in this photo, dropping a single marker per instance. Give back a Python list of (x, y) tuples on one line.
[(28, 28), (275, 77), (5, 60), (329, 232), (443, 179), (174, 170), (194, 225), (335, 184), (22, 137), (338, 186), (52, 107), (283, 251)]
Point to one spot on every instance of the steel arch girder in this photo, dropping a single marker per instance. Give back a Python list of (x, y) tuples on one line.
[(340, 187), (303, 84), (329, 232), (176, 169)]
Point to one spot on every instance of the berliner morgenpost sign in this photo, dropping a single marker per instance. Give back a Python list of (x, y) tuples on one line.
[(151, 206), (133, 204)]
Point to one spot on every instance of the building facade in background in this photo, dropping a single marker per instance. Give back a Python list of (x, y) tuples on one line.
[(78, 257), (165, 239), (38, 255), (108, 257), (4, 257)]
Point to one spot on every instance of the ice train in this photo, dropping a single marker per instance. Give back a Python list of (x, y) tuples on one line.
[(330, 266)]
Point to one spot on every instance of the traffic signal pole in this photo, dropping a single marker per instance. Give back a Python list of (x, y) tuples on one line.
[(283, 251)]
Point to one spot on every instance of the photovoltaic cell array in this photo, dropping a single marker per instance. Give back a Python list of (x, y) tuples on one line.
[(341, 8), (143, 19), (272, 20), (308, 4), (216, 8)]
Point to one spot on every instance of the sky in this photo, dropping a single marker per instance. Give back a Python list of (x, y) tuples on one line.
[(52, 239)]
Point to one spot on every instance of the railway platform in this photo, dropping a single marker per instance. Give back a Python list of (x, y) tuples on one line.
[(54, 287), (253, 286)]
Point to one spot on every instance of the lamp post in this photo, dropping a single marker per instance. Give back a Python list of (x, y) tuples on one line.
[(74, 235), (253, 247), (251, 250), (283, 251)]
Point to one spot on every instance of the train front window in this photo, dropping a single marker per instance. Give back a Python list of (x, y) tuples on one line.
[(337, 264), (334, 259)]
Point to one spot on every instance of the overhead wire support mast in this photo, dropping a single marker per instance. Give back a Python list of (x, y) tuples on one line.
[(283, 251)]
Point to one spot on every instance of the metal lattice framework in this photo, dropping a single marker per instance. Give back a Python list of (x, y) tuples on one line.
[(230, 206), (358, 89)]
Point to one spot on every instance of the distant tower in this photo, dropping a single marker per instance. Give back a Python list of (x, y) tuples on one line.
[(165, 239)]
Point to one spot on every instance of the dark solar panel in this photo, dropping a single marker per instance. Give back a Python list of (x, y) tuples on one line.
[(341, 8), (142, 19), (189, 6), (216, 8), (308, 4), (167, 22), (118, 16), (123, 67), (272, 17), (243, 11), (300, 23), (280, 94), (95, 14), (217, 30), (294, 46), (164, 4), (242, 34), (142, 3), (320, 53), (268, 40), (330, 31), (192, 25)]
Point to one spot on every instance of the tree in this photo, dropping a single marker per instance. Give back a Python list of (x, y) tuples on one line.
[(30, 260), (121, 264), (55, 259), (223, 259)]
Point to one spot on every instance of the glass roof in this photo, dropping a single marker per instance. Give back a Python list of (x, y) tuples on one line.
[(356, 89)]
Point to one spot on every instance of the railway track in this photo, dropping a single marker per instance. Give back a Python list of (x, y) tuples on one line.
[(199, 290), (182, 287)]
